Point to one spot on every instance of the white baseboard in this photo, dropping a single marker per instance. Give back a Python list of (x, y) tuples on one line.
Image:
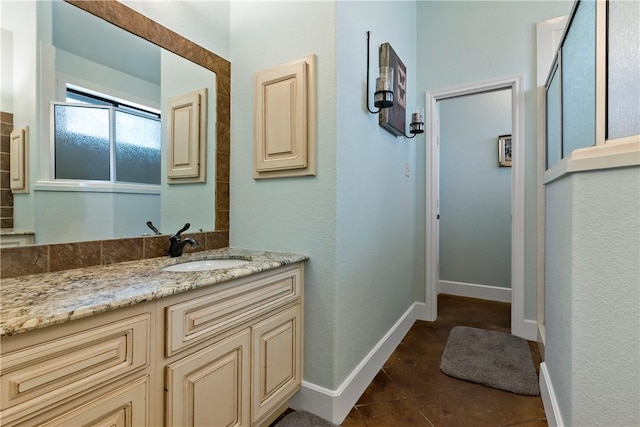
[(542, 343), (551, 408), (472, 290), (334, 405), (529, 330), (422, 312)]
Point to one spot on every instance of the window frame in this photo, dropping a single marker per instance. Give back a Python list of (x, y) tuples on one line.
[(606, 153), (51, 183)]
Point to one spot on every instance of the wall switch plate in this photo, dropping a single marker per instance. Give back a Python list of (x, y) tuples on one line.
[(407, 169)]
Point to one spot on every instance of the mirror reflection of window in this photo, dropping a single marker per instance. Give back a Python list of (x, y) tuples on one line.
[(101, 139)]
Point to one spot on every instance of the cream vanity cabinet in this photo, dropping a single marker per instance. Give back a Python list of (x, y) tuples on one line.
[(224, 355), (91, 372), (233, 354)]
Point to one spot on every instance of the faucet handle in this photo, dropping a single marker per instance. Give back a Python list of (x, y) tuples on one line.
[(152, 227), (185, 228)]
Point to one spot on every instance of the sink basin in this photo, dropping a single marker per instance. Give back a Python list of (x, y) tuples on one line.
[(206, 265)]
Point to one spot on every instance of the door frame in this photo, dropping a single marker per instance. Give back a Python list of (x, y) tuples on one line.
[(519, 327)]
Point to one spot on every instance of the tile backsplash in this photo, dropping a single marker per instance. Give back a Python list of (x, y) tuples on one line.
[(6, 196), (36, 259)]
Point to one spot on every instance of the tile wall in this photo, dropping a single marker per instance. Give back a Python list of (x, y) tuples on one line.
[(6, 196), (35, 259)]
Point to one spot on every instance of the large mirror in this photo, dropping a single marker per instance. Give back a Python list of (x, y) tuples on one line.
[(83, 58)]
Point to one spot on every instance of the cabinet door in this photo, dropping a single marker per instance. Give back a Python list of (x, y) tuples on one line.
[(277, 361), (211, 386), (126, 406)]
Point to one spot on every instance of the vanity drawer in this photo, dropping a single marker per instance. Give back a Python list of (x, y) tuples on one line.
[(42, 374), (193, 321)]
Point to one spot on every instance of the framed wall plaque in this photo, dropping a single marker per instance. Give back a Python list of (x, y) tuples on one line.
[(393, 118)]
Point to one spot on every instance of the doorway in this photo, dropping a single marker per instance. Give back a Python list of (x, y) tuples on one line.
[(475, 196), (515, 83)]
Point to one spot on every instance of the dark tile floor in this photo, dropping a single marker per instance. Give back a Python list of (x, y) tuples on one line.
[(411, 391)]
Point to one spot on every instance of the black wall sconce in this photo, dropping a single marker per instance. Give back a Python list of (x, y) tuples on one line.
[(383, 96)]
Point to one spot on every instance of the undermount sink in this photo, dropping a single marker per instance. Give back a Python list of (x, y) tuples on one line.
[(206, 265)]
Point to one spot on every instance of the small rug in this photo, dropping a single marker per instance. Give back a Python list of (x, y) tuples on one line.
[(490, 358), (303, 419)]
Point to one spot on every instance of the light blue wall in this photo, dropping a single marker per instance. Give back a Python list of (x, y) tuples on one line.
[(20, 19), (355, 217), (557, 292), (467, 41), (69, 216), (191, 202), (375, 200), (290, 214), (475, 192), (91, 75), (592, 314)]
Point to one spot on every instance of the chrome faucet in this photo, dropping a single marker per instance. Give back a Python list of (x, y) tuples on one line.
[(177, 243)]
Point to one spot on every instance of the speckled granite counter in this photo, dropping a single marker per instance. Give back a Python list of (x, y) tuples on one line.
[(39, 300)]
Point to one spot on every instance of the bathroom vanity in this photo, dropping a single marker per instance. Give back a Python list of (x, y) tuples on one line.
[(131, 344)]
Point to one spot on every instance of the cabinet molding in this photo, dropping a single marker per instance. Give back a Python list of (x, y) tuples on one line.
[(54, 370), (195, 320), (285, 120), (19, 157), (187, 138), (277, 362), (211, 387), (126, 406)]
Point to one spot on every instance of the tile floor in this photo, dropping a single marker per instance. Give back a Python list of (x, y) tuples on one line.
[(411, 391)]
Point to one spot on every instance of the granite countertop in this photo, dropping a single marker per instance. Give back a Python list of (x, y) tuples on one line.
[(39, 300)]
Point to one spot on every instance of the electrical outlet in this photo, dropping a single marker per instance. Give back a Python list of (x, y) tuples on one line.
[(407, 169)]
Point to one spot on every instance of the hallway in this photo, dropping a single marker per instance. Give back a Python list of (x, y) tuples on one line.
[(411, 391)]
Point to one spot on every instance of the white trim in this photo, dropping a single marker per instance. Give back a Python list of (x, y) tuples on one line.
[(542, 340), (529, 330), (422, 312), (473, 290), (96, 187), (546, 48), (601, 72), (334, 405), (611, 155), (549, 400), (516, 84), (432, 250)]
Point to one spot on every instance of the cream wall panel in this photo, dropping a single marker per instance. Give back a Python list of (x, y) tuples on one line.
[(187, 137), (284, 119)]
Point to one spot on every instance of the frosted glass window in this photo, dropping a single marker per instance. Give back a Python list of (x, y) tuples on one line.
[(137, 148), (623, 74), (100, 139), (579, 80), (82, 143), (553, 119)]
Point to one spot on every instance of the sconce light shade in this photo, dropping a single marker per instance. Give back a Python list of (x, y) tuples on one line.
[(417, 121), (383, 97)]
